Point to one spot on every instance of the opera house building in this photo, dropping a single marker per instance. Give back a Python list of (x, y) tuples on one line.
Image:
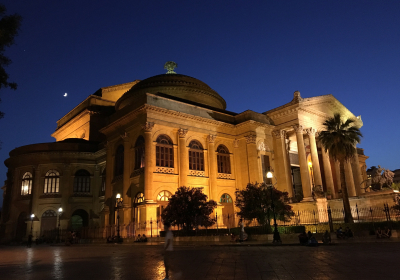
[(144, 139)]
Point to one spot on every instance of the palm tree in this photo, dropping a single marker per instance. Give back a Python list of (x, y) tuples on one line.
[(339, 139)]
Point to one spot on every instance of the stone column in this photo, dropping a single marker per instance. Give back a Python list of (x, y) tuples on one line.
[(357, 175), (109, 202), (348, 173), (338, 177), (148, 162), (213, 167), (314, 157), (282, 163), (238, 177), (328, 173), (252, 158), (126, 217), (305, 179), (183, 158)]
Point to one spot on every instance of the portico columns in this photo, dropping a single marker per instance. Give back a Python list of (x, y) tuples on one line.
[(282, 164), (213, 167), (305, 179), (328, 173), (348, 173), (126, 217), (357, 174), (148, 162), (183, 158), (314, 157)]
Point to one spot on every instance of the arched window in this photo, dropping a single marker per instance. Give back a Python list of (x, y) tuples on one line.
[(164, 152), (196, 156), (223, 160), (225, 198), (119, 161), (139, 198), (26, 184), (82, 181), (52, 182), (164, 196), (139, 153)]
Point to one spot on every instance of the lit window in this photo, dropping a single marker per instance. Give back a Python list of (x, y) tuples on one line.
[(119, 161), (139, 153), (82, 181), (164, 152), (26, 184), (164, 196), (52, 182), (225, 198), (223, 160), (196, 156)]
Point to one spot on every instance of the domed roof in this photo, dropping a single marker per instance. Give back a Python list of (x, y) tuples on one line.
[(177, 85)]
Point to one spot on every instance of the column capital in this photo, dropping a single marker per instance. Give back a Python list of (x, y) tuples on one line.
[(211, 138), (124, 136), (298, 128), (182, 132), (251, 138), (278, 134), (311, 131), (148, 126)]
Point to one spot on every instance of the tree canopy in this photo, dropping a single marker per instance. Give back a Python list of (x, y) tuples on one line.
[(9, 27), (189, 208), (255, 202)]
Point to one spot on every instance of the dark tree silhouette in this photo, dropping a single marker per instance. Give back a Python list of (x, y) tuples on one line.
[(255, 201), (188, 208)]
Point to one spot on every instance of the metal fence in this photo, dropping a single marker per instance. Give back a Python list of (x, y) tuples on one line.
[(225, 222)]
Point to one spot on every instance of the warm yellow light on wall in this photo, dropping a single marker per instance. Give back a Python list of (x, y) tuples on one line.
[(309, 163)]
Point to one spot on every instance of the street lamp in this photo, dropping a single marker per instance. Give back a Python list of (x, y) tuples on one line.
[(118, 205), (32, 216), (60, 210), (277, 237)]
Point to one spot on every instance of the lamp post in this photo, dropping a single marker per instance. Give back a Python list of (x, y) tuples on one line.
[(60, 210), (118, 205), (277, 237), (32, 216)]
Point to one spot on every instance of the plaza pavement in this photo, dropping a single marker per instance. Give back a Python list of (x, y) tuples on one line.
[(355, 261)]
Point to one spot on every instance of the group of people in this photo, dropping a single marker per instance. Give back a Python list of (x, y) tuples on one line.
[(142, 238), (307, 239), (347, 233), (386, 233)]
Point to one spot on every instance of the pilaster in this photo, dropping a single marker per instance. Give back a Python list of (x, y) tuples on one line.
[(148, 162), (282, 164), (252, 158), (213, 167), (183, 158)]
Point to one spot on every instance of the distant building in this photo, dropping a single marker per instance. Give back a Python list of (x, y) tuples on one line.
[(146, 138)]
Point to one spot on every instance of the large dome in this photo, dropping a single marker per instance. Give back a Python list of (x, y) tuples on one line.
[(177, 85)]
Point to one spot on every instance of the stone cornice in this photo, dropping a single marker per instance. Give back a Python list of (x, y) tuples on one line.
[(119, 87)]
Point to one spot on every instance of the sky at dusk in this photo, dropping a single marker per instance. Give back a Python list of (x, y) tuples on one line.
[(255, 54)]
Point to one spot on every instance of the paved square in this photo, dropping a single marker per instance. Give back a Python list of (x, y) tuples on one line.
[(344, 261)]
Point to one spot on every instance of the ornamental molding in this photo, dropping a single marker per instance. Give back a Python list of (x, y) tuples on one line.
[(298, 128), (119, 87), (279, 134), (311, 131), (165, 170), (284, 113), (124, 135), (148, 126), (182, 132), (236, 143), (197, 173), (263, 147), (251, 138), (211, 138)]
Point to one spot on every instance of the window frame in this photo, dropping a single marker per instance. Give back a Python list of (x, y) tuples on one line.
[(223, 160), (82, 181), (26, 181), (196, 156), (51, 182), (164, 151)]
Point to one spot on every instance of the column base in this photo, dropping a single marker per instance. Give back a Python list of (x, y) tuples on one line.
[(308, 199)]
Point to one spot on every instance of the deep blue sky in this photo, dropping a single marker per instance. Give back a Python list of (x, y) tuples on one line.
[(255, 54)]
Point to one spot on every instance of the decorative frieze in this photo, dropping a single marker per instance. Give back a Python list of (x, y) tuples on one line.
[(148, 126), (166, 170), (224, 176), (211, 138), (251, 138), (182, 132), (197, 173)]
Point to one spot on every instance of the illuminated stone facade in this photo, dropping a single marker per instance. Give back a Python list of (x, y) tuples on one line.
[(146, 138)]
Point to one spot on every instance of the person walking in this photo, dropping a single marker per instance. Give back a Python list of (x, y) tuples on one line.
[(168, 251)]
